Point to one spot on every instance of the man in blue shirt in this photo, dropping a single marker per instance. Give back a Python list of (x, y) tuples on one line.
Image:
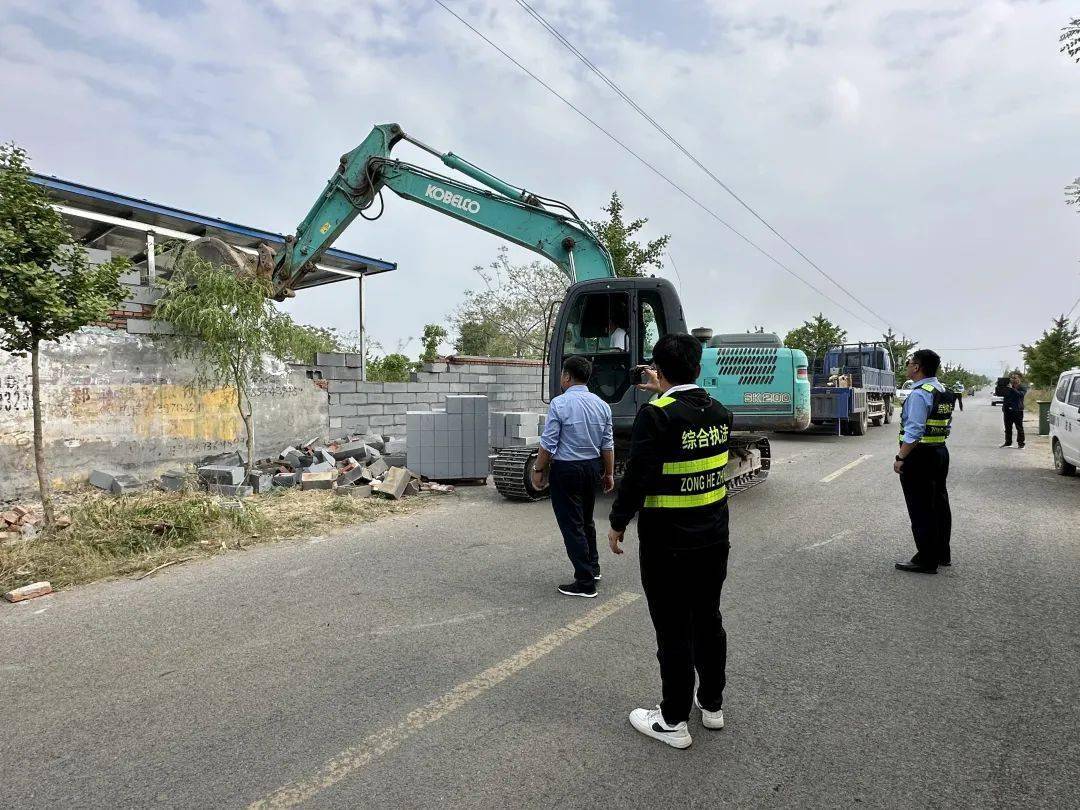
[(922, 463), (577, 449)]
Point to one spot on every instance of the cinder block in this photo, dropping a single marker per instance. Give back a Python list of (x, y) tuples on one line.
[(318, 480), (260, 482), (353, 360), (329, 359), (286, 479), (341, 387), (453, 404), (222, 474), (102, 479), (173, 480)]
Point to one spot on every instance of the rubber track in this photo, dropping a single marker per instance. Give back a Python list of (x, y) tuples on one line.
[(509, 468), (508, 471)]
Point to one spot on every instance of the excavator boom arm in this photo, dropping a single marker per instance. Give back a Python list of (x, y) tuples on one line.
[(505, 211)]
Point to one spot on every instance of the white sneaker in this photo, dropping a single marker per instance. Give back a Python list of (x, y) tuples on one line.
[(650, 722), (710, 719)]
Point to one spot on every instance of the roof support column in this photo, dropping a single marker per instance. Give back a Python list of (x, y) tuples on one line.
[(362, 339)]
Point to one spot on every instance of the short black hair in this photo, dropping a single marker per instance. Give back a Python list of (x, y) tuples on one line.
[(677, 356), (579, 368), (928, 361)]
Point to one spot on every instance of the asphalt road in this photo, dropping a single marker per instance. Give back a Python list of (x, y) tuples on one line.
[(428, 660)]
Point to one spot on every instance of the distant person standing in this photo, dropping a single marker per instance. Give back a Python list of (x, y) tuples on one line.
[(577, 451), (1012, 411), (922, 463), (958, 389)]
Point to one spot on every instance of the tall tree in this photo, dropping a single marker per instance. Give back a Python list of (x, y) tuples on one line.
[(898, 347), (512, 308), (226, 323), (815, 336), (48, 288), (630, 257), (1058, 349)]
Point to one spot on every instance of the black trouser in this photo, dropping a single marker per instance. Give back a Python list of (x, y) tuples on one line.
[(683, 591), (1013, 418), (573, 494), (924, 477)]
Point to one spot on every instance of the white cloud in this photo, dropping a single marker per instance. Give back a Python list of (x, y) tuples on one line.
[(908, 148)]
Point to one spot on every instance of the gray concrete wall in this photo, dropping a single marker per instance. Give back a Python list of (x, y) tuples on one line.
[(119, 400), (356, 407)]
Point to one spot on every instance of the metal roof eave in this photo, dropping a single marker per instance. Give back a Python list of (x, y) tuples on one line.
[(334, 257)]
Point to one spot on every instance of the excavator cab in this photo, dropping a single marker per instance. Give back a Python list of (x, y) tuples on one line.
[(614, 323)]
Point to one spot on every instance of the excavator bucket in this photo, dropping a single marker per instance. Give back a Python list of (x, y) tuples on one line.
[(218, 253)]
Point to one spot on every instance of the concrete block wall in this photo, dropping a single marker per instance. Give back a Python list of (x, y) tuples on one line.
[(124, 402), (356, 407)]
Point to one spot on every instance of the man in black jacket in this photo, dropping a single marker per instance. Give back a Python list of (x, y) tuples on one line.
[(675, 479), (1012, 410)]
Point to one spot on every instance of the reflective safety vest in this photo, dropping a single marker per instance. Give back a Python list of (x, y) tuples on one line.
[(695, 452), (939, 419)]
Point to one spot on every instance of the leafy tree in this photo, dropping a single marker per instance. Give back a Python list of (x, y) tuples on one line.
[(899, 348), (511, 311), (48, 288), (1070, 39), (432, 337), (1058, 349), (393, 367), (226, 323), (481, 340), (815, 336), (313, 339), (630, 257)]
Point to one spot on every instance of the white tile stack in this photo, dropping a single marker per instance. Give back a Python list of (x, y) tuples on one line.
[(449, 444), (509, 429)]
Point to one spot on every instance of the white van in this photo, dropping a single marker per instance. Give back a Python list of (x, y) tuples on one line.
[(1065, 423)]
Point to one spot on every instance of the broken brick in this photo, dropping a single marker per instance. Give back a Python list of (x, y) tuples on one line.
[(394, 483), (29, 592)]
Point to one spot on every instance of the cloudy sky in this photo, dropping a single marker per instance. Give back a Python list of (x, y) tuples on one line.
[(916, 151)]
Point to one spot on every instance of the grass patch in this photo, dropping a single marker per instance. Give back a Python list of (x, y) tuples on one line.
[(116, 536), (1031, 400)]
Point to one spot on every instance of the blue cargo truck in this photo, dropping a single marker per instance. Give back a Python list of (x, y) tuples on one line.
[(853, 385)]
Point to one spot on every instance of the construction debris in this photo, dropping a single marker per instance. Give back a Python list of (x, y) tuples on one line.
[(394, 483), (116, 483), (29, 592)]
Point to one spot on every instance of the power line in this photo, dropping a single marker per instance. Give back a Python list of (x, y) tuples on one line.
[(659, 128), (651, 168), (984, 348)]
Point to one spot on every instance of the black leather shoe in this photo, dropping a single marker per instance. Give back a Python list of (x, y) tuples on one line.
[(1007, 444), (915, 568), (946, 563)]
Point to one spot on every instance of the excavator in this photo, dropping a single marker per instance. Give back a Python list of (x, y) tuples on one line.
[(613, 321)]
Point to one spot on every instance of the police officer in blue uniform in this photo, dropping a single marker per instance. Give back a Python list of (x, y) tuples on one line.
[(923, 463)]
